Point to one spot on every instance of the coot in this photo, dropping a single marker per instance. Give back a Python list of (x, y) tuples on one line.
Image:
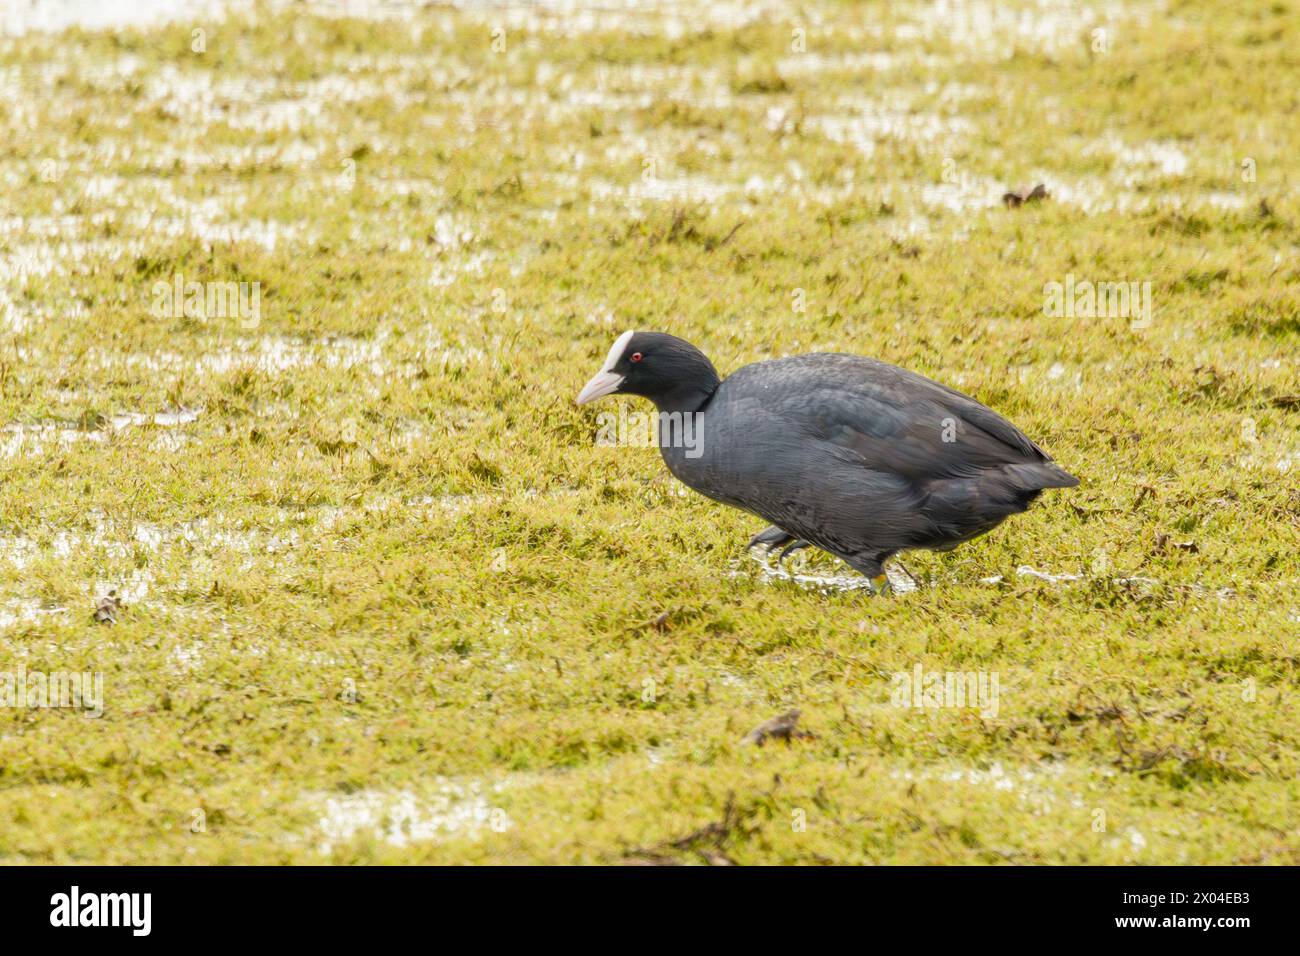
[(858, 457)]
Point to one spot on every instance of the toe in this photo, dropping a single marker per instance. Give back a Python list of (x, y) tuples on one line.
[(798, 545), (769, 538)]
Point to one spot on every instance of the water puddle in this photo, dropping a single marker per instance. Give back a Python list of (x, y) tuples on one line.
[(1025, 571), (668, 18), (1038, 788), (990, 30), (48, 16), (27, 611), (1134, 583), (37, 437), (865, 130), (899, 580), (403, 817), (812, 63)]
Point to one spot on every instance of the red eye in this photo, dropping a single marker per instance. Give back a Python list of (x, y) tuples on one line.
[(636, 356)]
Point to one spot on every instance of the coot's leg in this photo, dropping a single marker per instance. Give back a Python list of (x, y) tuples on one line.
[(770, 538), (798, 545), (873, 566)]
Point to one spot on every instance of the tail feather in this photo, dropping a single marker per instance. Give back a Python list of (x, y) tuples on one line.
[(959, 509), (1037, 476)]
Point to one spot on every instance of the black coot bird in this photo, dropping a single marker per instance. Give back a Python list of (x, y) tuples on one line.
[(858, 457)]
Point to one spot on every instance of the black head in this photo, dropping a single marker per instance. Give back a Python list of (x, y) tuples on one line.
[(669, 371)]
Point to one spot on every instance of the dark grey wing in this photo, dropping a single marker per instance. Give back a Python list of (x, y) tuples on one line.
[(890, 420), (975, 413)]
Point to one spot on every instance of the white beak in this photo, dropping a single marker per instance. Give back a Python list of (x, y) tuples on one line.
[(606, 381), (602, 383)]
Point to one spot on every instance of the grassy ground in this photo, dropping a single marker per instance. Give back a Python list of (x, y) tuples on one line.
[(386, 600)]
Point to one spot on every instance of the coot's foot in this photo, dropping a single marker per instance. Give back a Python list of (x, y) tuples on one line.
[(770, 538), (799, 545), (872, 567), (773, 538)]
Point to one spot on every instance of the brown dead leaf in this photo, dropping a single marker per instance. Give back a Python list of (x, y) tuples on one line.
[(106, 608), (778, 728), (1144, 492), (1021, 196), (1164, 543)]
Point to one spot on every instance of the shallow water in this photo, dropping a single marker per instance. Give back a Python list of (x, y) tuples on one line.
[(27, 611), (899, 580), (38, 437), (29, 16), (399, 818), (1041, 788)]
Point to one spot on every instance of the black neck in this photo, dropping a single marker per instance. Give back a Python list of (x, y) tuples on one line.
[(688, 398)]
